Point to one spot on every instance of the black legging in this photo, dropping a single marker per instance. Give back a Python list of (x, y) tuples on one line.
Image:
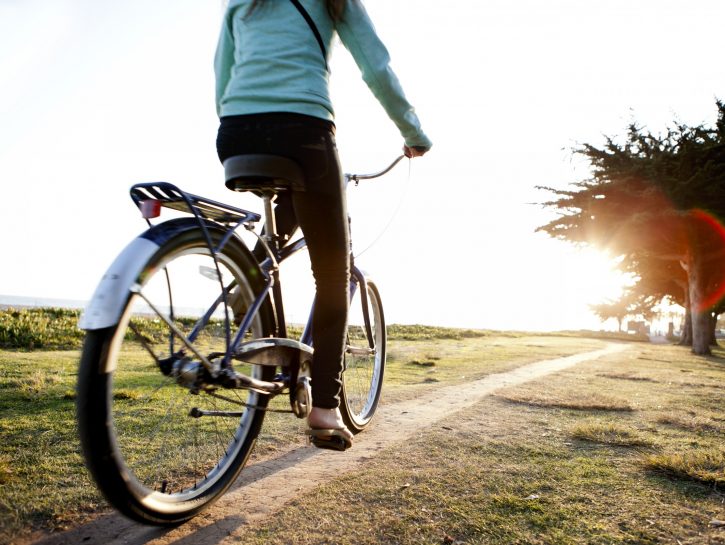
[(320, 211)]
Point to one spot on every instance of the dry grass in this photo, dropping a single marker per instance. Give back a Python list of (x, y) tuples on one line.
[(627, 376), (425, 363), (6, 474), (692, 422), (574, 400), (34, 385), (124, 393), (38, 437), (610, 433), (703, 465), (555, 461), (409, 372)]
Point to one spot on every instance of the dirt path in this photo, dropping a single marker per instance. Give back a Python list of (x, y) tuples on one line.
[(265, 487)]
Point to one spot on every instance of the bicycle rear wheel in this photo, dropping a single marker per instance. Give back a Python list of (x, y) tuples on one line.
[(362, 377), (160, 448)]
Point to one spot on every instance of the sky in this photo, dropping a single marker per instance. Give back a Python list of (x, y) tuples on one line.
[(96, 95)]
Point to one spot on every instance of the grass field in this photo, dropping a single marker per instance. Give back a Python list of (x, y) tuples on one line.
[(636, 437), (626, 449)]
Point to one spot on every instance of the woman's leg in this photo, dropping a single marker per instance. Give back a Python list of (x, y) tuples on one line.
[(328, 244), (321, 212)]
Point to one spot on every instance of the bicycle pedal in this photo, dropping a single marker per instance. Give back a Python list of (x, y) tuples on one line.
[(332, 442)]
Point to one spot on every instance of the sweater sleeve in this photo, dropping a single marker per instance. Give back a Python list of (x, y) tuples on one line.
[(359, 37), (223, 60)]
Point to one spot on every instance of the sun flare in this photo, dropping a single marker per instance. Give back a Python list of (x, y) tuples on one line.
[(593, 278)]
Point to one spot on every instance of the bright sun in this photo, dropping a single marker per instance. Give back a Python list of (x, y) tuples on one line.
[(581, 277), (598, 271), (597, 280)]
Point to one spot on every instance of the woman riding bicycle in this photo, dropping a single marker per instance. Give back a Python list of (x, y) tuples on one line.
[(272, 97)]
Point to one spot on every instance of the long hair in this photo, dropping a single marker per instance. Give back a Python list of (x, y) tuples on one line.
[(334, 7)]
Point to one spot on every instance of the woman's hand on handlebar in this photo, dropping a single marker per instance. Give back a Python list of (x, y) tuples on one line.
[(414, 151)]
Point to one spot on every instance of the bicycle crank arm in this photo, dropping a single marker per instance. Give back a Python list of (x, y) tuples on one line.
[(231, 379), (355, 351), (196, 412)]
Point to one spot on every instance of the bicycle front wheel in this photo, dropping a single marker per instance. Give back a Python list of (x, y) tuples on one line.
[(362, 377), (160, 447)]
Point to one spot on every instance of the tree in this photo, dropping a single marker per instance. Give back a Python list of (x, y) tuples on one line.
[(661, 278), (631, 303), (655, 202), (613, 309)]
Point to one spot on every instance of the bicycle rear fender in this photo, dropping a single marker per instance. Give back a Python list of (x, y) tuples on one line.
[(109, 299), (105, 307)]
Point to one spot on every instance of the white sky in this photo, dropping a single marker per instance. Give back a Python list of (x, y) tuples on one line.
[(97, 94)]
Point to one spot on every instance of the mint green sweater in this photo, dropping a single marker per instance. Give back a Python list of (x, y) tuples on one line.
[(271, 62)]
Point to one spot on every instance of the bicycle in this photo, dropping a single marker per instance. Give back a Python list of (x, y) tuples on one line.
[(187, 344)]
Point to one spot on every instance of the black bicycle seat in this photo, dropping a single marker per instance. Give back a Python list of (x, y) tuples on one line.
[(262, 172)]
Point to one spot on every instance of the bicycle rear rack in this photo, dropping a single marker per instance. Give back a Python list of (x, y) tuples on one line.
[(170, 196), (151, 196)]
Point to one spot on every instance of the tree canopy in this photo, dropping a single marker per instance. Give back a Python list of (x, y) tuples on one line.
[(657, 202)]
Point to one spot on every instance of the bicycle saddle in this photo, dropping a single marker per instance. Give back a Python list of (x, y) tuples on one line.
[(262, 172)]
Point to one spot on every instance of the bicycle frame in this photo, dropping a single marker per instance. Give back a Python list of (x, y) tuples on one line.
[(149, 197), (357, 278), (166, 417)]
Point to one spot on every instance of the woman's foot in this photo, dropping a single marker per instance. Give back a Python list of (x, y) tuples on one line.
[(327, 430), (325, 419)]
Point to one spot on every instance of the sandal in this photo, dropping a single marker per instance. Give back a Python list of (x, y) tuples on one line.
[(331, 438)]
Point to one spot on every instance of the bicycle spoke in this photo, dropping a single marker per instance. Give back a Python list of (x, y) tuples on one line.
[(144, 342), (179, 334)]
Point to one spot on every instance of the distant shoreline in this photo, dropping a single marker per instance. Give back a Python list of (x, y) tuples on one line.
[(21, 301)]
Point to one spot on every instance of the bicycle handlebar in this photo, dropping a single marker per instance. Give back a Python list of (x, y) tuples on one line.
[(357, 177)]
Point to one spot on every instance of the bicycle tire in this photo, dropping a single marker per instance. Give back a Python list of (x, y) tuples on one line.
[(150, 457), (365, 354)]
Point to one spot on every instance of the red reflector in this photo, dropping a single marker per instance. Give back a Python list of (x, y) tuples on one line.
[(150, 208)]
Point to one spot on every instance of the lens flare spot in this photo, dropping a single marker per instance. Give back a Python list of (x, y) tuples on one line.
[(715, 289)]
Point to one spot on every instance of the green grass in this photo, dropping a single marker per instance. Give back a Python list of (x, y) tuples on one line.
[(41, 328), (46, 484), (31, 329), (39, 453), (424, 332), (542, 473), (571, 460), (6, 474), (57, 329)]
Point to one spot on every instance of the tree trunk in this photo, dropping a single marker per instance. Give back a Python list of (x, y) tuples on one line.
[(701, 317), (686, 337), (700, 333), (713, 327)]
